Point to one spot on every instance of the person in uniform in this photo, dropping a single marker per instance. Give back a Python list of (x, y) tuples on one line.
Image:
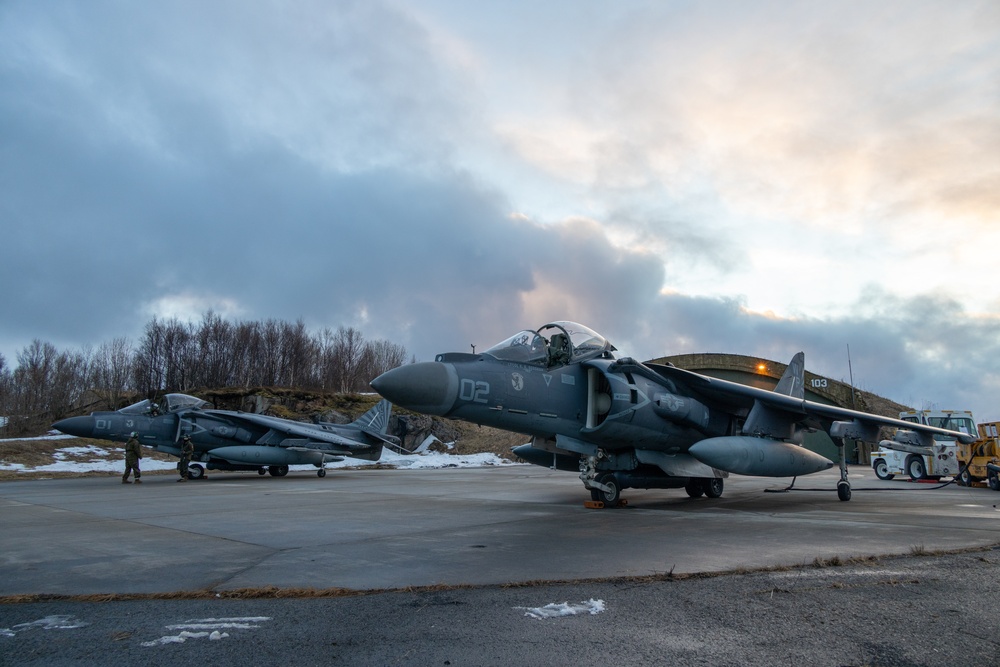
[(133, 452), (187, 451)]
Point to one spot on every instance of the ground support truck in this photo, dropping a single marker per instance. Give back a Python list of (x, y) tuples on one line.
[(908, 455)]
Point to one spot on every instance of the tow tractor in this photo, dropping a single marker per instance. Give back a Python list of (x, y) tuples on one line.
[(903, 455)]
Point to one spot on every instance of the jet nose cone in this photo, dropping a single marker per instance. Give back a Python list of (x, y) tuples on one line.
[(82, 427), (429, 387)]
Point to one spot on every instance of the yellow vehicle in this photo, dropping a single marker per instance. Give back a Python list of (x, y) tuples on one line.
[(981, 460)]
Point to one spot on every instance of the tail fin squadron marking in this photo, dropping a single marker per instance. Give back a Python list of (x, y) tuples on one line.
[(376, 419)]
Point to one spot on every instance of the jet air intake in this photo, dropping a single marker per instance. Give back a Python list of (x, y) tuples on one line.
[(746, 455)]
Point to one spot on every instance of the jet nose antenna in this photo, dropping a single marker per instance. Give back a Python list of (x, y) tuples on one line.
[(81, 427), (429, 387)]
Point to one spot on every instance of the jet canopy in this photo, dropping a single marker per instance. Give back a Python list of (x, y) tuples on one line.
[(174, 402), (554, 344)]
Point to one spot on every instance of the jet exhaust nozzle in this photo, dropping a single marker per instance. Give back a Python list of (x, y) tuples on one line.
[(747, 455)]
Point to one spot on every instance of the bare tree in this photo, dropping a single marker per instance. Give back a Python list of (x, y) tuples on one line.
[(297, 351), (215, 351), (46, 385), (150, 364), (179, 356), (270, 349), (34, 366), (348, 351), (5, 389), (247, 353), (324, 344), (113, 371), (383, 356), (67, 381)]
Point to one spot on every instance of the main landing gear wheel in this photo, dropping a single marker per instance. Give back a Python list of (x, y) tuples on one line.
[(993, 480), (196, 471), (713, 486), (321, 472), (609, 498), (695, 488), (844, 490), (278, 471), (261, 471), (882, 470)]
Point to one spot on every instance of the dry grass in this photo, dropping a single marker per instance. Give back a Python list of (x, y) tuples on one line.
[(39, 453), (478, 439)]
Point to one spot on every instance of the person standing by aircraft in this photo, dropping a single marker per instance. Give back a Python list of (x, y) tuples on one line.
[(187, 451), (133, 452)]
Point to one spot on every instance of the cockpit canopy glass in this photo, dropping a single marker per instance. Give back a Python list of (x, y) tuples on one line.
[(174, 402), (177, 402), (554, 344)]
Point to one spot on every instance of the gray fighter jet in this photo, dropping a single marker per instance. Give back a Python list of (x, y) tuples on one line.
[(625, 424), (227, 440)]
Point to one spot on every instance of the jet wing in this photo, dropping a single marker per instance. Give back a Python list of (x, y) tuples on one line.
[(839, 422), (287, 433)]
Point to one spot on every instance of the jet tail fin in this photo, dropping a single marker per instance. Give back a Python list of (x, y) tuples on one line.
[(775, 422), (793, 380), (376, 420)]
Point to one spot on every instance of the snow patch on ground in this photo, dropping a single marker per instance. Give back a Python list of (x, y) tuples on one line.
[(111, 459), (211, 628), (556, 610)]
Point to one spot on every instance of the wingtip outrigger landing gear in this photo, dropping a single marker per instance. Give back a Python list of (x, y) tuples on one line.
[(843, 486)]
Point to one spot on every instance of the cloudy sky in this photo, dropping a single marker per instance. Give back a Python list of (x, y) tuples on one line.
[(748, 177)]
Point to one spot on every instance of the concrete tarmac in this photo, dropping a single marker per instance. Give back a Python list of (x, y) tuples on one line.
[(387, 533), (395, 529)]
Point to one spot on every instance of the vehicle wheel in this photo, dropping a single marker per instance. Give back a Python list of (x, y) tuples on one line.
[(843, 490), (965, 478), (611, 497), (321, 472), (915, 468), (713, 486), (695, 488), (261, 471), (994, 481), (196, 471), (882, 470), (278, 471)]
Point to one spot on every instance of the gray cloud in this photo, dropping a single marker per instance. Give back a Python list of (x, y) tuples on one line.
[(922, 351), (305, 163)]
